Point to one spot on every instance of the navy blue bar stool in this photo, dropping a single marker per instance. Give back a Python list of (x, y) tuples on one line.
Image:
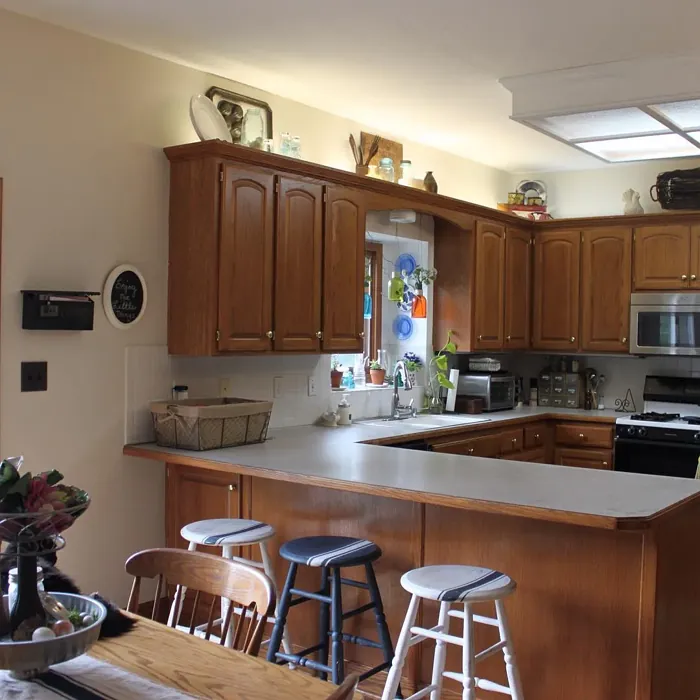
[(331, 554)]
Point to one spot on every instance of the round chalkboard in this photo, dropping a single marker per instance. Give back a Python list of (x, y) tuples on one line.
[(125, 296)]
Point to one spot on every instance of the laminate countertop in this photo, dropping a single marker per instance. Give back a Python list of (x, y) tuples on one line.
[(340, 458)]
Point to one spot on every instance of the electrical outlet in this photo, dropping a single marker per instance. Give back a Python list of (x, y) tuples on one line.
[(225, 387), (34, 376), (278, 387), (312, 385)]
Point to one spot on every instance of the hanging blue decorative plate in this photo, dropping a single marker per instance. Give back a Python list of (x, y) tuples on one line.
[(405, 263), (403, 327)]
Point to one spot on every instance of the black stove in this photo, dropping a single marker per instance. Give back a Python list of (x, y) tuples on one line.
[(657, 417)]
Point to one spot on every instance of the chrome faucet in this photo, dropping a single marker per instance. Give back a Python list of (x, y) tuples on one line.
[(399, 411)]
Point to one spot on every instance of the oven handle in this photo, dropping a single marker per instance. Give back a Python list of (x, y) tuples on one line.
[(657, 443)]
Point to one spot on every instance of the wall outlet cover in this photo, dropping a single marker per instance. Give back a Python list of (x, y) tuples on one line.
[(34, 376)]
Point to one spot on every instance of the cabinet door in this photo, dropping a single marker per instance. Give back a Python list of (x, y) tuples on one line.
[(661, 257), (695, 257), (198, 494), (512, 442), (556, 290), (343, 270), (588, 459), (488, 293), (518, 283), (246, 257), (483, 446), (606, 286), (538, 455), (299, 249)]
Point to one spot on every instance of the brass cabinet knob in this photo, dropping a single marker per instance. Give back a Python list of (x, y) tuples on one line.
[(361, 334), (319, 334), (508, 338), (481, 337), (581, 436), (605, 464), (270, 334), (232, 487), (693, 278), (572, 339), (470, 451), (537, 436), (514, 440), (624, 340), (684, 277)]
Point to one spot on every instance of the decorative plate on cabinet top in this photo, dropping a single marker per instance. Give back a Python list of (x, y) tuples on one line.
[(207, 120)]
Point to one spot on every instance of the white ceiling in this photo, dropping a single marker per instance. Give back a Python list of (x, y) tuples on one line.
[(425, 70)]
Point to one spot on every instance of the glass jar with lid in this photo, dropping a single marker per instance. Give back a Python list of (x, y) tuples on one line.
[(385, 170), (252, 132), (285, 143), (406, 173)]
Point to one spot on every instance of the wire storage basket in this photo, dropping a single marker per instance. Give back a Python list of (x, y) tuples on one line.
[(677, 189)]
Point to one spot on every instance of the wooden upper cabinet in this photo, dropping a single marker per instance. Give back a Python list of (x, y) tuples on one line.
[(488, 294), (246, 259), (517, 291), (298, 262), (661, 255), (343, 270), (695, 257), (556, 290), (606, 286)]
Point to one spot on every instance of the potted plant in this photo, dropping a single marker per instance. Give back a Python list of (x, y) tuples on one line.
[(420, 277), (413, 364), (377, 373), (440, 378), (336, 374)]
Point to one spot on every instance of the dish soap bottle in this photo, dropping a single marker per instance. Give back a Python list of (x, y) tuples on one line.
[(344, 411)]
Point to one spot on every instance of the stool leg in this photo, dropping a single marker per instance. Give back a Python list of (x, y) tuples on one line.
[(380, 617), (227, 553), (267, 568), (281, 617), (180, 591), (338, 660), (509, 653), (440, 651), (394, 677), (468, 661), (324, 623)]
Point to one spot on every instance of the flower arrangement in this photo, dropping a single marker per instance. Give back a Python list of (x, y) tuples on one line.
[(413, 362)]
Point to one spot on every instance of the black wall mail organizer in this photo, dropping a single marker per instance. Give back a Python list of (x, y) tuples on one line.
[(45, 310)]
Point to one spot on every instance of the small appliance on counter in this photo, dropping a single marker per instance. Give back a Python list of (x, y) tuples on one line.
[(665, 438), (495, 389)]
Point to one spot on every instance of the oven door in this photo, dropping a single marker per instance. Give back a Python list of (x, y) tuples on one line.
[(660, 458), (665, 324)]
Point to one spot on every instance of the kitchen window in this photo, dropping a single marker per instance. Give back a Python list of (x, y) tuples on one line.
[(373, 287)]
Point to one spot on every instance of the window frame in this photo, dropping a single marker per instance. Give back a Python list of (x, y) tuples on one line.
[(374, 251)]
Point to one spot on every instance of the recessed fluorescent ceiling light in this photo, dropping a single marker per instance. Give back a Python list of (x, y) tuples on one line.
[(685, 115), (641, 148)]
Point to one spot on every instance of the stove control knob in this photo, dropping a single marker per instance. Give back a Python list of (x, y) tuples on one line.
[(642, 432), (631, 430), (696, 437)]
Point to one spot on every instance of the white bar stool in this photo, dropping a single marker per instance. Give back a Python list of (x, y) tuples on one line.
[(450, 584), (230, 533)]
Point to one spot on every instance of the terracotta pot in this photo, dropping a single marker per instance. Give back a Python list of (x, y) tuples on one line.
[(336, 379), (377, 376)]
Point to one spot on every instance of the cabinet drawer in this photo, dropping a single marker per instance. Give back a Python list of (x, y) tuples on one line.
[(535, 436), (511, 440), (587, 459), (538, 455), (484, 446), (584, 435)]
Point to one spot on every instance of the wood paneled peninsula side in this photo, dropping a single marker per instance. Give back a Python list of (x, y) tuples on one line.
[(608, 577)]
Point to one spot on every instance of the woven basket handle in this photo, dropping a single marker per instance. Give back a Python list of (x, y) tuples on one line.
[(654, 190)]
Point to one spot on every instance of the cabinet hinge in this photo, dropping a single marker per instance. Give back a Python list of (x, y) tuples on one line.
[(277, 186), (221, 174), (325, 196), (218, 335)]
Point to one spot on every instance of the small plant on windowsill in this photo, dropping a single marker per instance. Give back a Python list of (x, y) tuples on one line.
[(438, 372), (336, 374), (413, 365), (377, 373)]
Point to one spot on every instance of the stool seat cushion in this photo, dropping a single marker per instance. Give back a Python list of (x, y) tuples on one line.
[(227, 531), (451, 582), (327, 550)]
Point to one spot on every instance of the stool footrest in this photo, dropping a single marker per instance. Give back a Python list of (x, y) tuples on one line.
[(354, 584), (381, 667), (299, 660), (482, 619), (308, 595), (495, 648), (422, 634), (361, 641), (422, 693), (358, 611), (480, 683)]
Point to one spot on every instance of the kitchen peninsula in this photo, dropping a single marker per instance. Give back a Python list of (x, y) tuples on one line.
[(608, 584)]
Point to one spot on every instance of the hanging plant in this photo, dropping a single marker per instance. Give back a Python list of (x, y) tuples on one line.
[(422, 276)]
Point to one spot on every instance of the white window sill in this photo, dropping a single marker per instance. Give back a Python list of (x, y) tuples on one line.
[(369, 388)]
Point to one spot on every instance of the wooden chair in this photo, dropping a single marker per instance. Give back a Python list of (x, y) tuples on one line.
[(242, 585), (346, 690)]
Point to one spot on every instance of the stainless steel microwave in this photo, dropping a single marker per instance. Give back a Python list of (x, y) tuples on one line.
[(665, 324)]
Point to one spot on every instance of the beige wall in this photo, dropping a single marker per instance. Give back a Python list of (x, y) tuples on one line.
[(599, 192), (82, 126)]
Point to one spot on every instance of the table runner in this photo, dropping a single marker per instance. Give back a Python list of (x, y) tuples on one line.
[(86, 678)]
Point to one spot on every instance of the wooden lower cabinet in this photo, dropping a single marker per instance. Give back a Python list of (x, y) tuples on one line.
[(511, 441), (588, 459), (584, 435), (481, 446), (538, 455)]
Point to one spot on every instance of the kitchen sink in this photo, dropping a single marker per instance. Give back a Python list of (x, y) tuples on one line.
[(427, 420)]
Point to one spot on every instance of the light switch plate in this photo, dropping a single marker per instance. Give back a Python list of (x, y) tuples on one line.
[(312, 385)]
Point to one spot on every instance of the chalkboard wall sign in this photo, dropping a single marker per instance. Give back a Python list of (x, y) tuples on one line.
[(125, 296)]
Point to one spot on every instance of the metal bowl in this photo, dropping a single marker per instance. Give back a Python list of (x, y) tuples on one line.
[(28, 659)]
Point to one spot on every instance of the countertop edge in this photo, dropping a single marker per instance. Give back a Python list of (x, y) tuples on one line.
[(497, 508)]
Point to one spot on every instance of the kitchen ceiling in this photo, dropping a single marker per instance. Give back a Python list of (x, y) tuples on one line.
[(426, 71)]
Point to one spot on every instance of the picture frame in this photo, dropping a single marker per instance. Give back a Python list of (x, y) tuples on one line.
[(125, 296), (233, 107)]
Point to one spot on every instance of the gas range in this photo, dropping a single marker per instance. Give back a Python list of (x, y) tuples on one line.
[(665, 438)]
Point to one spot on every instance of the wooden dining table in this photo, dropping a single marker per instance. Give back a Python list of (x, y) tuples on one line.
[(205, 669)]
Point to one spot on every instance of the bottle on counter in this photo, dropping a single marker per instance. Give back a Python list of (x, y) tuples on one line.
[(181, 392), (344, 411), (533, 391)]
